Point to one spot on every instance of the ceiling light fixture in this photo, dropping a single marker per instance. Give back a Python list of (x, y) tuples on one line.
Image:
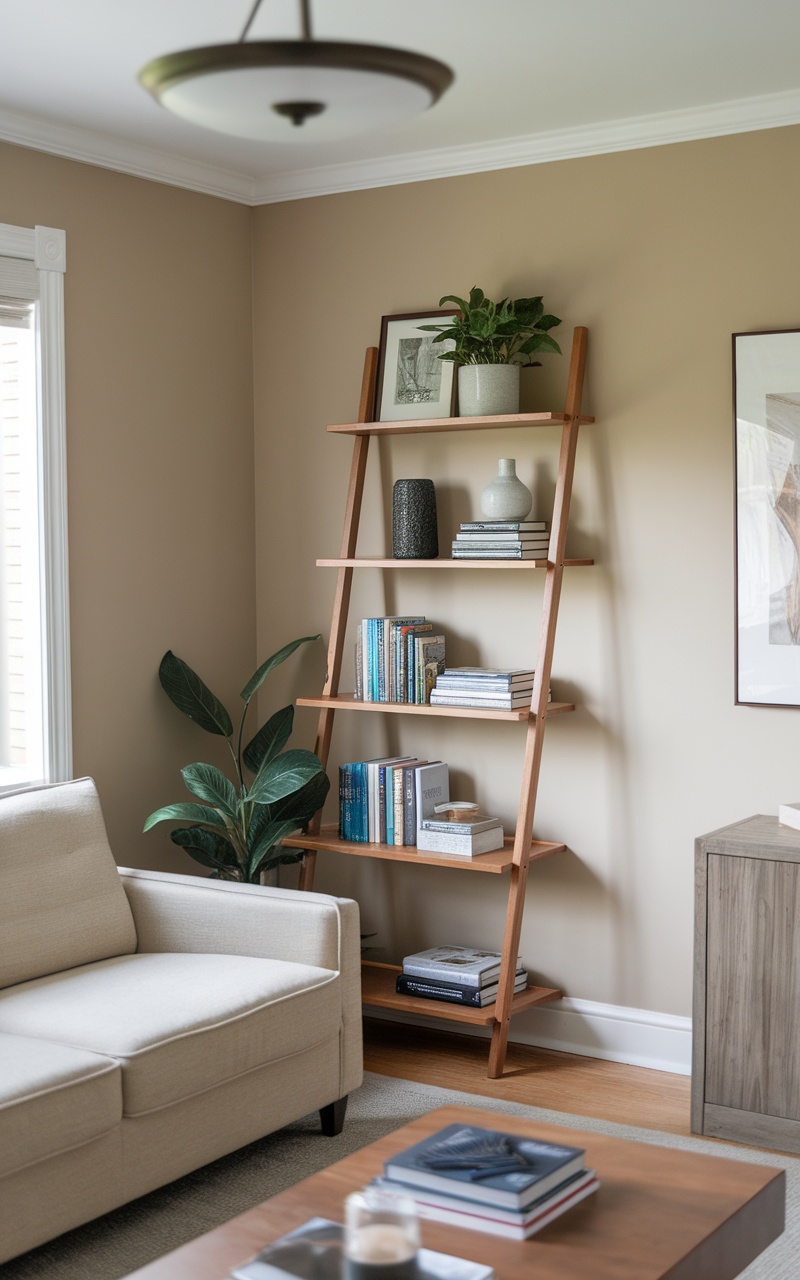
[(302, 90)]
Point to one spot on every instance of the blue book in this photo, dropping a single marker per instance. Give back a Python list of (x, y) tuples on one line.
[(486, 1165)]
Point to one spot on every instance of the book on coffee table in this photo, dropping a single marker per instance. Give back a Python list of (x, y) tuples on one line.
[(315, 1251), (485, 1165)]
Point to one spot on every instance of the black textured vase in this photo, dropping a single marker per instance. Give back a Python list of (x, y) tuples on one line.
[(415, 535)]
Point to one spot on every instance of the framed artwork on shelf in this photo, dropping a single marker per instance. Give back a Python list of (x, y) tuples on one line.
[(412, 381), (766, 393)]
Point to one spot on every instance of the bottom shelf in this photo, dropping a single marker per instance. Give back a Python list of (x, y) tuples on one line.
[(377, 989)]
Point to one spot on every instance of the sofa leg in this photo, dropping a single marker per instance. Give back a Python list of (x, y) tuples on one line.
[(332, 1117)]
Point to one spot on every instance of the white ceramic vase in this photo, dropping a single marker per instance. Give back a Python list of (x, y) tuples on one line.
[(506, 498), (485, 390)]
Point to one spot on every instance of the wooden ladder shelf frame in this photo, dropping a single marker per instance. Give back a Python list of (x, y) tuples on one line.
[(537, 717)]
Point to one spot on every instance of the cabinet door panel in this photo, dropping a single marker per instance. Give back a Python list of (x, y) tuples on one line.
[(753, 986)]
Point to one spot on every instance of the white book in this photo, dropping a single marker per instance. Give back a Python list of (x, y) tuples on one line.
[(432, 783), (466, 846), (789, 815), (466, 965)]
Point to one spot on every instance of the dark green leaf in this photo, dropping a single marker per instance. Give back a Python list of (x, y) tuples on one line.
[(270, 739), (258, 678), (272, 835), (301, 805), (209, 784), (283, 775), (191, 696), (547, 322), (207, 847), (451, 297), (186, 813)]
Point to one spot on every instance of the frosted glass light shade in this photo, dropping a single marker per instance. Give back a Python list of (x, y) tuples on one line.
[(249, 89)]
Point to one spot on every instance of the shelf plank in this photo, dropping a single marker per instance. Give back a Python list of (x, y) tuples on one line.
[(374, 563), (347, 702), (416, 426), (496, 862), (377, 989)]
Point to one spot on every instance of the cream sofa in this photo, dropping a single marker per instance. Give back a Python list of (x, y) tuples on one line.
[(150, 1023)]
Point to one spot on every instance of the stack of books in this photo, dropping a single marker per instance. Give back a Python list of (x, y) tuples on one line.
[(490, 1181), (397, 659), (502, 540), (383, 801), (460, 839), (459, 975), (506, 689)]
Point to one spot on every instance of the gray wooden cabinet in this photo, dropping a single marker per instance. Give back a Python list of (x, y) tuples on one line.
[(746, 1022)]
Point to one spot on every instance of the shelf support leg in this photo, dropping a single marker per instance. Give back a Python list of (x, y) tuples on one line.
[(341, 602), (537, 718)]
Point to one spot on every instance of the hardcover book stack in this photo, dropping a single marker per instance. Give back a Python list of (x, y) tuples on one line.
[(383, 801), (458, 975), (460, 839), (507, 690), (397, 659), (490, 1181), (502, 540)]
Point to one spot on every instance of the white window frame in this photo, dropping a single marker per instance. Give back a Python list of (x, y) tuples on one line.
[(46, 247)]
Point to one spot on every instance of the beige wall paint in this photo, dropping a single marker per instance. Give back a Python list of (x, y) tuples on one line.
[(159, 456), (663, 253)]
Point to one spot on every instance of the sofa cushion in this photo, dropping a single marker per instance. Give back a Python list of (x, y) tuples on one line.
[(179, 1024), (52, 1098), (61, 901)]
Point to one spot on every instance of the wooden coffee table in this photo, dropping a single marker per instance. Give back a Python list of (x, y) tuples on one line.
[(659, 1213)]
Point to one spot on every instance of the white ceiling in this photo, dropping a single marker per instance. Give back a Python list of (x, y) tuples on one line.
[(535, 80)]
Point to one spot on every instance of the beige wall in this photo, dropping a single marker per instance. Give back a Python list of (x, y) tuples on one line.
[(159, 456), (663, 253)]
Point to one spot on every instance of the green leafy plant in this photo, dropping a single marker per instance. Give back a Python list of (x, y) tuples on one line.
[(237, 830), (486, 332)]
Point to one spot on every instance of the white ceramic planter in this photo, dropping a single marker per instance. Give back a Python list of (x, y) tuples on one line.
[(487, 389)]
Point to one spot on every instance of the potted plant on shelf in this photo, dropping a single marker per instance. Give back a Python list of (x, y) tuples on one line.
[(238, 829), (492, 341)]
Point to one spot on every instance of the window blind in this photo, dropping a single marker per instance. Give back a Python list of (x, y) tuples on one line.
[(19, 289)]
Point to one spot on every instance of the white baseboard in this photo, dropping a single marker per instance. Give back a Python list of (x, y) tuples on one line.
[(660, 1041)]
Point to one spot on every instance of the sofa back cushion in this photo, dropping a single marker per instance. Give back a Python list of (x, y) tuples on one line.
[(61, 900)]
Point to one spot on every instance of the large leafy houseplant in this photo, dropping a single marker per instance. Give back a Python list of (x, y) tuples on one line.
[(237, 830), (504, 332)]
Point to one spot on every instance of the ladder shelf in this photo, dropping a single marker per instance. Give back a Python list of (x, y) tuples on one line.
[(519, 850)]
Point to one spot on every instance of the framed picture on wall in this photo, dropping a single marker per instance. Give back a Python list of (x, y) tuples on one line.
[(766, 372), (412, 381)]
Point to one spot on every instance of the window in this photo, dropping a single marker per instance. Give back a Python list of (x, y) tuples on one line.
[(35, 728)]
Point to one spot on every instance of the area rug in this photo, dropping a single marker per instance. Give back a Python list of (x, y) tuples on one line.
[(136, 1234)]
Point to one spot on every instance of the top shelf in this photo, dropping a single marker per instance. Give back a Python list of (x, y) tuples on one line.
[(417, 426)]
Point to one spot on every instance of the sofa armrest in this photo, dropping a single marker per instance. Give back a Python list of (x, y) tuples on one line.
[(191, 913)]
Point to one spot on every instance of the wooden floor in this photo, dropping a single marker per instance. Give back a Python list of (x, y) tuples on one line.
[(539, 1077)]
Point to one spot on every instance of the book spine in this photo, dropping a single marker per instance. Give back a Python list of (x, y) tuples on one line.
[(502, 526), (455, 995), (458, 828), (498, 704), (444, 973), (381, 806), (410, 805), (399, 808)]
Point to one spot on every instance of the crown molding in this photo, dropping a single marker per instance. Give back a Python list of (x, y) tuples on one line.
[(107, 152), (742, 115)]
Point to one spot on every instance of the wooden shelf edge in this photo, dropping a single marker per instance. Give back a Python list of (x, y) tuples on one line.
[(346, 702), (367, 562), (377, 991), (419, 425), (496, 862)]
